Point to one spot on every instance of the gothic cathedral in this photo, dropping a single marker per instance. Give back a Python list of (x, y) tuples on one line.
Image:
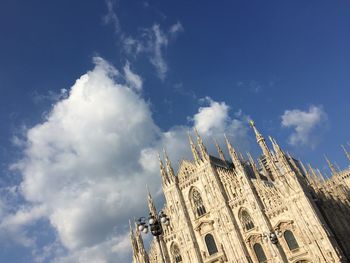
[(240, 211)]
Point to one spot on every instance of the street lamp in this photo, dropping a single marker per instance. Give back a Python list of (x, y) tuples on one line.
[(273, 236), (155, 225)]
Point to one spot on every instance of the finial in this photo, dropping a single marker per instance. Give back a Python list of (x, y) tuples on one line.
[(163, 172), (321, 175), (169, 167), (233, 154), (131, 229), (148, 192), (202, 148), (252, 163), (331, 166), (151, 206), (346, 152), (221, 153), (193, 149)]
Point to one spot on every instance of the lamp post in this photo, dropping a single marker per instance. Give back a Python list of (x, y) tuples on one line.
[(273, 237), (155, 224)]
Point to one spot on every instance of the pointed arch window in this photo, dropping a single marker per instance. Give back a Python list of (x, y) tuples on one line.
[(175, 251), (198, 203), (259, 252), (210, 243), (290, 239), (246, 220)]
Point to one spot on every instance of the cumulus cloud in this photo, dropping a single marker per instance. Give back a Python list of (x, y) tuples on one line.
[(214, 119), (211, 118), (81, 160), (80, 163), (308, 125), (12, 226)]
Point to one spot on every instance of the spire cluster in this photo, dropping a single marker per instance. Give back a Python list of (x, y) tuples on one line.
[(270, 163)]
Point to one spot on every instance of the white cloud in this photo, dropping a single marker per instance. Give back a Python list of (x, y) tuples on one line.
[(308, 125), (153, 42), (12, 225), (83, 159), (160, 41), (86, 165), (111, 17), (132, 79), (176, 28), (214, 119)]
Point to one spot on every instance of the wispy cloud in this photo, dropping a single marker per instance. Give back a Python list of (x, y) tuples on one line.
[(153, 42), (308, 125), (160, 42), (176, 28), (111, 16), (134, 80)]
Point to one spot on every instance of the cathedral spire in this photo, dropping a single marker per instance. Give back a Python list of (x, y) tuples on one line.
[(276, 147), (194, 149), (315, 177), (267, 173), (346, 152), (253, 165), (234, 157), (331, 166), (169, 167), (132, 236), (151, 206), (138, 248), (133, 240), (165, 178), (202, 148), (221, 153), (131, 230), (261, 141), (306, 172), (321, 175)]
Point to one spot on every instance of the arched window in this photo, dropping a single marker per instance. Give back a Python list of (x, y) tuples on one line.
[(175, 251), (198, 203), (246, 220), (210, 242), (259, 252), (290, 239)]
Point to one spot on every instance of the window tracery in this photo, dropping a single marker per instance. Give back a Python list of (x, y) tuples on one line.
[(246, 220), (198, 203)]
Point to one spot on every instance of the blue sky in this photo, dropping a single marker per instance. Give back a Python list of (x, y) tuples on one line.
[(149, 71)]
